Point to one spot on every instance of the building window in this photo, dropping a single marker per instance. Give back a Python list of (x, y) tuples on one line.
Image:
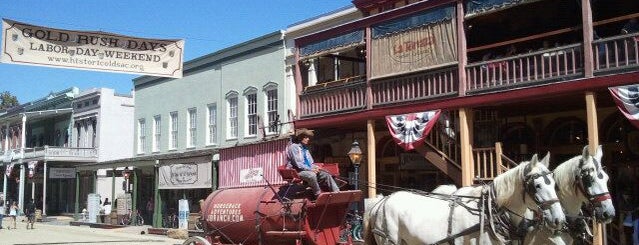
[(173, 131), (232, 116), (192, 128), (141, 136), (271, 111), (157, 132), (212, 130), (251, 114)]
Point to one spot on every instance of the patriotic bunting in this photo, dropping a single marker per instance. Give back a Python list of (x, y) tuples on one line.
[(410, 130), (627, 99)]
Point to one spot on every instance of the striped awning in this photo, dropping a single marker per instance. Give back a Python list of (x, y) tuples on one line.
[(249, 165), (627, 100)]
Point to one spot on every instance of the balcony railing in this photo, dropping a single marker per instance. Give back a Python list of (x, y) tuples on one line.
[(561, 63), (347, 96), (55, 153), (422, 86), (616, 53)]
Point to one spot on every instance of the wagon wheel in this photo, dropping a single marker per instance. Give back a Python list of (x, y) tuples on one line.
[(196, 240)]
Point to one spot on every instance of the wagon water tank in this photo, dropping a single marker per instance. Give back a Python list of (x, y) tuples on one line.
[(278, 215)]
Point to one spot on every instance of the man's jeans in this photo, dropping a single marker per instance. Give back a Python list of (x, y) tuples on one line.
[(311, 179)]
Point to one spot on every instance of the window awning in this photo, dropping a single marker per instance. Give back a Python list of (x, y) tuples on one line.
[(347, 39), (478, 7), (430, 16)]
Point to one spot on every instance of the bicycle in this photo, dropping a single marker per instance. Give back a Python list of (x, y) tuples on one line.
[(170, 221), (127, 219)]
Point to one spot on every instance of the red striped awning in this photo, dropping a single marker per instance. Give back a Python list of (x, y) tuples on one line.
[(243, 166)]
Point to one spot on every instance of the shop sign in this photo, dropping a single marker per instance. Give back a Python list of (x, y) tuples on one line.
[(185, 175), (61, 173), (28, 44)]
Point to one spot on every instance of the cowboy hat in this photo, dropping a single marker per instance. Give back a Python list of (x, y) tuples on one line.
[(304, 131)]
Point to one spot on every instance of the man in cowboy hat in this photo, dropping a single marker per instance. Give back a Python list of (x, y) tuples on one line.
[(299, 158)]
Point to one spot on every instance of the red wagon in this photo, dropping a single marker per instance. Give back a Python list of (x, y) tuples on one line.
[(275, 214)]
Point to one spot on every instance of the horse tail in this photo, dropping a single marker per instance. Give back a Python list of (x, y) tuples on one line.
[(370, 212)]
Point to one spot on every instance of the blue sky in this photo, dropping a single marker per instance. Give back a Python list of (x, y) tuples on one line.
[(205, 25)]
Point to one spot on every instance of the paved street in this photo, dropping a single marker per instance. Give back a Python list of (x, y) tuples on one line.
[(59, 232)]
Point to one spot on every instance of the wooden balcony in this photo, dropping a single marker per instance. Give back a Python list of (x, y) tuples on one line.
[(336, 97), (616, 54), (535, 68), (416, 87)]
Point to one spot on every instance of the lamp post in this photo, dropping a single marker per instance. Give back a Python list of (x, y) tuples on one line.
[(355, 154), (125, 174)]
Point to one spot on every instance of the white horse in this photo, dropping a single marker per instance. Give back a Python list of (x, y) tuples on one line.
[(581, 180), (409, 218)]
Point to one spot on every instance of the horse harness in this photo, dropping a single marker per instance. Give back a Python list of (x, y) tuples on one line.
[(586, 181), (499, 223)]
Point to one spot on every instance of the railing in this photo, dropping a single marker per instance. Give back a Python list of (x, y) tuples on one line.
[(615, 53), (489, 162), (61, 153), (447, 144), (561, 63), (346, 97), (422, 86)]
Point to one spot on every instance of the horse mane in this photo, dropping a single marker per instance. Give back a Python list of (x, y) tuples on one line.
[(505, 186), (565, 175)]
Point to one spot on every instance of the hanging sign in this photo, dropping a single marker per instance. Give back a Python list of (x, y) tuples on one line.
[(186, 175), (27, 44), (9, 169), (61, 173)]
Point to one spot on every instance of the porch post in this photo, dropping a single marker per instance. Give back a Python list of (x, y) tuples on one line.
[(135, 194), (23, 144), (157, 213), (298, 83), (465, 131), (586, 21), (461, 47), (6, 149), (77, 196), (372, 174), (44, 191), (113, 186), (593, 142), (369, 65)]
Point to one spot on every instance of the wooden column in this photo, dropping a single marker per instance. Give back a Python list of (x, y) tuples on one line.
[(372, 175), (461, 47), (465, 131), (76, 214), (298, 83), (369, 65), (586, 21), (593, 142)]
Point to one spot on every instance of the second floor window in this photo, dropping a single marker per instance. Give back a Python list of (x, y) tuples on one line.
[(271, 110), (212, 129), (251, 114), (173, 131), (157, 132), (232, 126), (141, 136), (192, 128)]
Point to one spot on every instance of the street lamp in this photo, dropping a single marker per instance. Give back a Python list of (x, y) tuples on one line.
[(125, 174), (355, 154)]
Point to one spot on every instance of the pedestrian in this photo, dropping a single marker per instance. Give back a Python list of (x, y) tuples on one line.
[(13, 212), (299, 158), (29, 211), (149, 209), (1, 210)]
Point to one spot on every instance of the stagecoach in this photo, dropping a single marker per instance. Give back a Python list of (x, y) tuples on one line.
[(276, 214)]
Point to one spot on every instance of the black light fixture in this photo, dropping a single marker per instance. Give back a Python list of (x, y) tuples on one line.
[(355, 154), (126, 173)]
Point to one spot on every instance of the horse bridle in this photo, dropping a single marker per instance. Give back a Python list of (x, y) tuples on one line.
[(529, 186), (586, 181)]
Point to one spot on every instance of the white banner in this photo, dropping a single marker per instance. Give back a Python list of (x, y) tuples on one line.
[(185, 175), (61, 173), (93, 207), (42, 46)]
